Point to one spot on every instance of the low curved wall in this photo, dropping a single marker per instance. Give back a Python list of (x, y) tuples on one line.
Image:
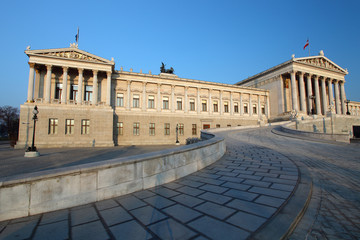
[(39, 192)]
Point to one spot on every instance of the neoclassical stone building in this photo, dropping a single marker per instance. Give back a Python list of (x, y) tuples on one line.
[(83, 101), (308, 85)]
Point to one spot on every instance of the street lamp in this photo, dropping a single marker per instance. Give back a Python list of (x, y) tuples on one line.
[(177, 134), (347, 106), (312, 97), (31, 151)]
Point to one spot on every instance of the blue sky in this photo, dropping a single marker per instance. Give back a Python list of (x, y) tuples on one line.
[(217, 41)]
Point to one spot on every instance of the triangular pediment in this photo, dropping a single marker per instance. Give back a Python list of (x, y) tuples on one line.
[(69, 53), (321, 62)]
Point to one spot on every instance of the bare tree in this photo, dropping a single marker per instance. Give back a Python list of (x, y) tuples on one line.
[(9, 123)]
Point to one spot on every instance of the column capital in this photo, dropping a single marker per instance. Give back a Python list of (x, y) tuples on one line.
[(159, 84), (300, 73), (95, 71), (109, 73), (31, 64), (80, 70), (65, 69), (48, 67)]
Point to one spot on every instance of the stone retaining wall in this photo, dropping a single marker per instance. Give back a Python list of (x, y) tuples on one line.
[(39, 192)]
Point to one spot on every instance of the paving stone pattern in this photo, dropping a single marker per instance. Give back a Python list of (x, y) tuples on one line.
[(230, 199)]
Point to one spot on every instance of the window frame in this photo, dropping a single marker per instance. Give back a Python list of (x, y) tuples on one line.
[(69, 126), (53, 126), (136, 129), (85, 126), (167, 129), (194, 129), (120, 128), (119, 99), (165, 100), (151, 129), (136, 101)]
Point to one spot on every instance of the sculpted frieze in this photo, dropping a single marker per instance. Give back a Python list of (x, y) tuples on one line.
[(73, 55), (321, 62)]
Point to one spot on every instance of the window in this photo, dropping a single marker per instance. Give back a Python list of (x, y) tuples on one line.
[(181, 129), (179, 103), (74, 92), (216, 107), (263, 110), (236, 107), (136, 101), (167, 129), (229, 125), (151, 102), (58, 91), (120, 128), (204, 105), (88, 93), (85, 126), (136, 129), (120, 100), (194, 130), (254, 109), (53, 125), (152, 129), (246, 108), (226, 107), (192, 104), (217, 125), (69, 126), (165, 102)]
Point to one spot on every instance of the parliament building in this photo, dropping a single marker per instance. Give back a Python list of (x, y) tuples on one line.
[(83, 101)]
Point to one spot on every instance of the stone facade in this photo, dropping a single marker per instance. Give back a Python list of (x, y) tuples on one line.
[(83, 101)]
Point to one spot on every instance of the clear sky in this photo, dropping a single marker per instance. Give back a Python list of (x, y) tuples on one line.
[(217, 41)]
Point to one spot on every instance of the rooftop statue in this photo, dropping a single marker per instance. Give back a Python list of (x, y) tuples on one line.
[(163, 70)]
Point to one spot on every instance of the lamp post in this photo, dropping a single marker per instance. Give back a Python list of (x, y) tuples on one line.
[(347, 106), (31, 151), (312, 97), (177, 135)]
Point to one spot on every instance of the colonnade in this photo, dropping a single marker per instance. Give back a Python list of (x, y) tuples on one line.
[(65, 87), (309, 94)]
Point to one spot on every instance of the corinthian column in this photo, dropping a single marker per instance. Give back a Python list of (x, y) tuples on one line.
[(293, 91), (331, 94), (309, 92), (342, 97), (30, 95), (323, 95), (337, 98), (48, 83), (317, 95), (80, 86), (95, 87), (108, 88), (302, 93), (64, 82)]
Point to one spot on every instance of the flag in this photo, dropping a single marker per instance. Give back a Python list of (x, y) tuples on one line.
[(77, 36), (307, 44)]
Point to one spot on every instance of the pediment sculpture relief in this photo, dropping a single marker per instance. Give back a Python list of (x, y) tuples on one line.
[(73, 55), (321, 62)]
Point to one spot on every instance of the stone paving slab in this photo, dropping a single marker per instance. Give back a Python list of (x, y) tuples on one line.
[(230, 199)]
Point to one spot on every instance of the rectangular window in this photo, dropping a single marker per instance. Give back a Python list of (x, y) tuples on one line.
[(85, 126), (194, 130), (120, 100), (226, 107), (217, 125), (151, 102), (120, 128), (165, 102), (192, 104), (69, 127), (246, 110), (263, 110), (204, 105), (74, 92), (53, 125), (136, 101), (167, 129), (229, 125), (216, 106), (254, 109), (152, 129), (88, 93), (179, 103), (58, 91), (181, 129), (136, 129), (236, 107)]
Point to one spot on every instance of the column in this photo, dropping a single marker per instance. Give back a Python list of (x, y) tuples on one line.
[(317, 95), (198, 104), (143, 107), (64, 87), (259, 106), (342, 97), (158, 101), (250, 106), (302, 93), (267, 108), (210, 103), (231, 104), (323, 95), (294, 91), (241, 106), (337, 98), (309, 92), (128, 100), (221, 103), (186, 103), (80, 86), (95, 87), (37, 84), (30, 95), (108, 88), (331, 93), (48, 84), (172, 98)]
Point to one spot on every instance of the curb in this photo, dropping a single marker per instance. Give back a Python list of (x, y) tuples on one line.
[(282, 224)]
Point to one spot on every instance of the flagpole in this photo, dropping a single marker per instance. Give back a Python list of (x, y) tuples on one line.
[(309, 48)]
